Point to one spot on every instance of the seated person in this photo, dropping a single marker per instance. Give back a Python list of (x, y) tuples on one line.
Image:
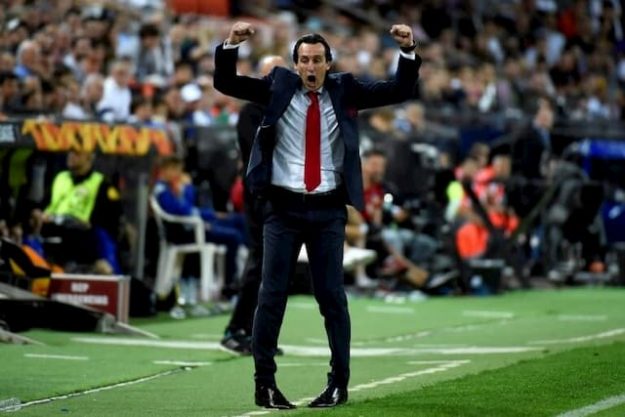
[(473, 236), (356, 256), (85, 213), (407, 253), (176, 195)]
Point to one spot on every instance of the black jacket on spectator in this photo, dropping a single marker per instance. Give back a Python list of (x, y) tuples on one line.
[(528, 147)]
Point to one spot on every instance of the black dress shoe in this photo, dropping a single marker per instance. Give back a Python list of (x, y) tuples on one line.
[(269, 396), (331, 396)]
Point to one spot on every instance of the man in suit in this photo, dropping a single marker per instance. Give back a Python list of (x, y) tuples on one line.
[(305, 163), (531, 146), (238, 333)]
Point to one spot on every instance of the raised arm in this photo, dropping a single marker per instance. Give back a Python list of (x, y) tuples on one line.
[(226, 79), (402, 86)]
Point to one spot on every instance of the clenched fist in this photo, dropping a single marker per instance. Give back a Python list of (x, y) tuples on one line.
[(239, 32), (402, 35)]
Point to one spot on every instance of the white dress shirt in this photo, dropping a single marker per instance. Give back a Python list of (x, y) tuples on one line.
[(289, 153)]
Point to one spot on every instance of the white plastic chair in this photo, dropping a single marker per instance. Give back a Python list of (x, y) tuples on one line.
[(171, 255)]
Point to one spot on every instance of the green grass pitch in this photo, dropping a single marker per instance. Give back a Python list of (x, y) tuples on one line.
[(557, 353)]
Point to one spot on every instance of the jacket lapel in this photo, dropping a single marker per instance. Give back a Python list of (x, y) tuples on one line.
[(282, 89)]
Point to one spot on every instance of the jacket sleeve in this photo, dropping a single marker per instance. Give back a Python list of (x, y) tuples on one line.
[(172, 204), (226, 80), (381, 93)]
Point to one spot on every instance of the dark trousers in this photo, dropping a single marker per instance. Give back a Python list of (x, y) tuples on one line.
[(243, 314), (320, 225)]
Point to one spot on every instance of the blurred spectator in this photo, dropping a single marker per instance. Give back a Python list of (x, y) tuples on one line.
[(414, 125), (391, 233), (458, 204), (116, 99), (81, 49), (197, 106), (82, 104), (531, 145), (356, 257), (489, 221), (9, 92), (142, 112), (85, 212), (486, 63), (176, 195), (29, 60), (152, 56)]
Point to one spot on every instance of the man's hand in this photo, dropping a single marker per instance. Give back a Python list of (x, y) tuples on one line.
[(402, 35), (240, 31)]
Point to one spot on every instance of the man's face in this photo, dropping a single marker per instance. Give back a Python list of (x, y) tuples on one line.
[(171, 173), (312, 66), (95, 91), (9, 88), (121, 74), (545, 116), (375, 168), (79, 163)]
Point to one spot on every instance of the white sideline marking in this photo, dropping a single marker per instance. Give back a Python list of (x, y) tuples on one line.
[(390, 310), (442, 366), (488, 314), (596, 407), (301, 364), (475, 350), (311, 350), (372, 352), (425, 333), (103, 388), (472, 327), (603, 335), (462, 362), (62, 357), (440, 345), (181, 363), (581, 317), (207, 336), (324, 342), (401, 377), (404, 337), (174, 344)]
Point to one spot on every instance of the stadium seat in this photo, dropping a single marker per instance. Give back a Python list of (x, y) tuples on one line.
[(171, 255)]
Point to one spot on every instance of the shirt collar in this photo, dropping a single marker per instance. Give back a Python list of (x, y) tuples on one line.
[(305, 91)]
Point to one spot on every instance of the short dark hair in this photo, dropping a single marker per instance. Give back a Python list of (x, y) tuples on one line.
[(170, 161), (7, 75), (149, 30), (312, 38)]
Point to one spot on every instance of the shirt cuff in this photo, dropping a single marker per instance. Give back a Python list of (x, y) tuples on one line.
[(230, 46), (408, 55)]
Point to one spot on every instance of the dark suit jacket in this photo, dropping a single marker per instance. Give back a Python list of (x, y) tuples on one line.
[(348, 95), (250, 117), (527, 152)]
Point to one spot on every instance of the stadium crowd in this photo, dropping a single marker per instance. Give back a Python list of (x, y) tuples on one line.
[(145, 62)]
